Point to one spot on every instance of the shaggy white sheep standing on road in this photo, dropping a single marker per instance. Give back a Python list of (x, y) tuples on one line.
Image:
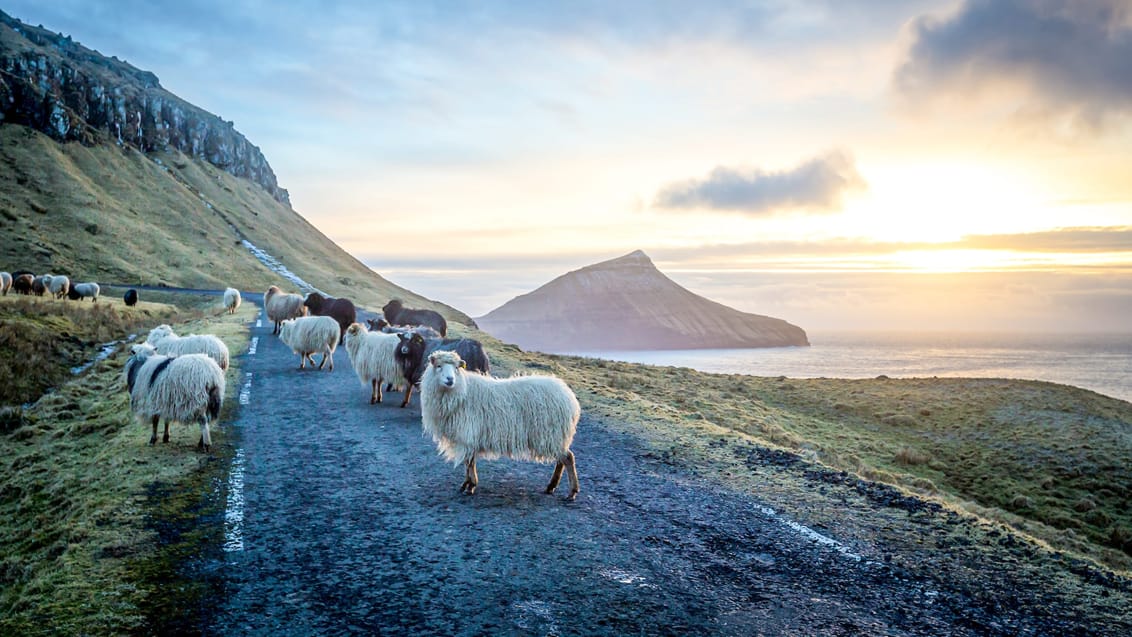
[(186, 389), (232, 300), (167, 343), (310, 335), (522, 417), (371, 354), (280, 306)]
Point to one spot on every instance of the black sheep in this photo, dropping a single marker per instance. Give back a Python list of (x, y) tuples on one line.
[(131, 297), (413, 351), (397, 314), (341, 310)]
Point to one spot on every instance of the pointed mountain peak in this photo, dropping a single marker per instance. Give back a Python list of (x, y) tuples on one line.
[(627, 303), (636, 260)]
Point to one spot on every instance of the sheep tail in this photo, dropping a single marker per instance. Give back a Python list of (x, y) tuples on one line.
[(215, 399)]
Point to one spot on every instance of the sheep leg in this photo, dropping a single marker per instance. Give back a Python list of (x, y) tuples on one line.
[(153, 438), (165, 438), (470, 477), (408, 394), (572, 472), (205, 437), (556, 478)]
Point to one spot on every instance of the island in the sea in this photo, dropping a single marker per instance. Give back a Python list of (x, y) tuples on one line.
[(628, 304)]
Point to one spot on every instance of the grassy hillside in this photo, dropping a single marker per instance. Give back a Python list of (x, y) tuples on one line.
[(111, 214)]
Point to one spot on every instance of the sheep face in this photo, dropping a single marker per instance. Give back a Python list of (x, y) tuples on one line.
[(314, 301), (355, 330), (159, 333), (284, 328), (447, 366), (407, 342)]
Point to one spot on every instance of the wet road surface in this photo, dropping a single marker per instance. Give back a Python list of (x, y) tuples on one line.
[(342, 519)]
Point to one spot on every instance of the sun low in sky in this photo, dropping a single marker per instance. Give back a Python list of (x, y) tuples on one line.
[(855, 164)]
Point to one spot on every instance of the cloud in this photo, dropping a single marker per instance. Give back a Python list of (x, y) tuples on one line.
[(1064, 240), (1067, 58), (815, 185)]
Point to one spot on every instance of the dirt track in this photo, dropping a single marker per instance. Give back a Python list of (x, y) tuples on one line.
[(342, 519)]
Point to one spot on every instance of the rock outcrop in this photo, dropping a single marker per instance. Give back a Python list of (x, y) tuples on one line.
[(59, 87), (627, 304)]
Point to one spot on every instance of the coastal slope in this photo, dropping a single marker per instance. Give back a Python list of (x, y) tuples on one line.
[(628, 304)]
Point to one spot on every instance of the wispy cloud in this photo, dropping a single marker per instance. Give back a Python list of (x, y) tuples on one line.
[(815, 185), (1069, 58)]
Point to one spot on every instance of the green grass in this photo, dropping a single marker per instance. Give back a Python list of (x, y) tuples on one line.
[(1051, 461), (76, 473), (41, 339)]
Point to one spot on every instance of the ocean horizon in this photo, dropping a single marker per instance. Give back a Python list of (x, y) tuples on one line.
[(1100, 362)]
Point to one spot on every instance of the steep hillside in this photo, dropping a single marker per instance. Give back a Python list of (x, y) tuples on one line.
[(626, 303), (169, 201)]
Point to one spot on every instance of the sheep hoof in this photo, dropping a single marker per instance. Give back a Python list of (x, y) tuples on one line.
[(573, 496), (153, 441), (165, 438)]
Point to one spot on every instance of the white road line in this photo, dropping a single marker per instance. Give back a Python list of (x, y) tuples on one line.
[(246, 390), (234, 511)]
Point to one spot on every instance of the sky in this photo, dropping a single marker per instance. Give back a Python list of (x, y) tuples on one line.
[(883, 164)]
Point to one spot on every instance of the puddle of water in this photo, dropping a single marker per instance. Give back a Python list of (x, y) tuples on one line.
[(624, 577), (106, 350), (806, 531), (535, 615)]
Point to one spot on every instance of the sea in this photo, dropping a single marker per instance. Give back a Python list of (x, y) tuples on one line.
[(1099, 362)]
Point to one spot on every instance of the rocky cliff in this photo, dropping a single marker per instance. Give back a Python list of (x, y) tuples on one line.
[(627, 304), (59, 87)]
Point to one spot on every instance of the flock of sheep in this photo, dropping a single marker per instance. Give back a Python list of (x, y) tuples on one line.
[(56, 285), (468, 413)]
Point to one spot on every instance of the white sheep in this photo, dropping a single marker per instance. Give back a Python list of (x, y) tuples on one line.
[(371, 354), (59, 286), (280, 306), (232, 300), (82, 290), (310, 335), (166, 342), (5, 282), (188, 388), (522, 417)]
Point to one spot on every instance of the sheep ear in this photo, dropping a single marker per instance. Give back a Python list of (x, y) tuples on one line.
[(463, 365), (432, 359)]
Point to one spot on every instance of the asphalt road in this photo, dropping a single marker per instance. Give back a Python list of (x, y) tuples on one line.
[(342, 519)]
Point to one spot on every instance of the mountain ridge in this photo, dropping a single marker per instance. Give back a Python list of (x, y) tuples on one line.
[(57, 86), (80, 200), (626, 303)]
